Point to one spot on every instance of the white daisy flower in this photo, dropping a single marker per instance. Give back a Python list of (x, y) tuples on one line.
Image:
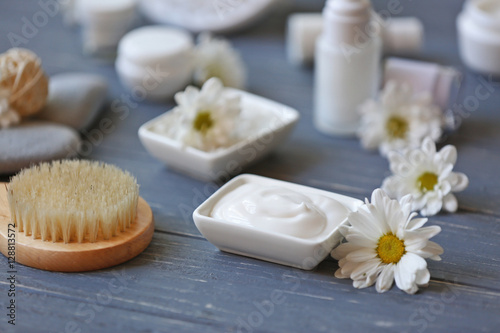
[(215, 57), (8, 116), (399, 119), (386, 243), (427, 176), (205, 119)]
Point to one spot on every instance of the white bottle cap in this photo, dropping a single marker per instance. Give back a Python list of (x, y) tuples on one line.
[(345, 20), (424, 77), (403, 35)]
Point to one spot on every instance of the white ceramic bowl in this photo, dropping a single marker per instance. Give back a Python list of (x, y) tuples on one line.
[(266, 244), (224, 162), (155, 61), (203, 15)]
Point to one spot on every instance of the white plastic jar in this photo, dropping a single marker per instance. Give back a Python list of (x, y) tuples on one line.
[(155, 62), (479, 35), (104, 22)]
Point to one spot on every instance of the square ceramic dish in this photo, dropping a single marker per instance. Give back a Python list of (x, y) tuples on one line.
[(223, 162), (265, 244)]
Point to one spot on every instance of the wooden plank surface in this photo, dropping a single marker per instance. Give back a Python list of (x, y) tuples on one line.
[(182, 283)]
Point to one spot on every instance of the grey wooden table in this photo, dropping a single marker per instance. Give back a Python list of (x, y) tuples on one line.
[(182, 283)]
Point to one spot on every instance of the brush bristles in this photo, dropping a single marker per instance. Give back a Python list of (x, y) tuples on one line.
[(73, 201)]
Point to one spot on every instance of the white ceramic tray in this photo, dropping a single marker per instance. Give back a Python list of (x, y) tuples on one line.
[(222, 163), (264, 244), (203, 15)]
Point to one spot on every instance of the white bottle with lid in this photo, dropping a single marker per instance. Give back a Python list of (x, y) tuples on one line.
[(347, 65)]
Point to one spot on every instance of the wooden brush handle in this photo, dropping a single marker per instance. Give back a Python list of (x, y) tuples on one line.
[(76, 257)]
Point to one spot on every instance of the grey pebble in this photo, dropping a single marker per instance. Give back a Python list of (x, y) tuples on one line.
[(34, 142), (75, 99)]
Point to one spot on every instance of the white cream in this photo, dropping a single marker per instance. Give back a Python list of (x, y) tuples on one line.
[(280, 210)]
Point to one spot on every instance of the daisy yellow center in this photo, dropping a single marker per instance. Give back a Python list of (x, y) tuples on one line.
[(427, 181), (397, 127), (390, 249), (203, 121)]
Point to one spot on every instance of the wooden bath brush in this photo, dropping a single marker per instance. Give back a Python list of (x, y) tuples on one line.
[(73, 216)]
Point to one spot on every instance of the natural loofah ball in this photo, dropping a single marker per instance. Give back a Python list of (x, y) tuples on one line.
[(21, 74), (73, 201)]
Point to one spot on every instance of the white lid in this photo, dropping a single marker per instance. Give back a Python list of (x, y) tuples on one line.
[(485, 13), (155, 44), (105, 9), (344, 18), (403, 34)]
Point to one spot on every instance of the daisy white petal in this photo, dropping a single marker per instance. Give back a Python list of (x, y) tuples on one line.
[(450, 203), (391, 186), (404, 278), (361, 255), (363, 223), (415, 245), (398, 251), (445, 187), (398, 120), (360, 239), (426, 232), (215, 57), (448, 154), (204, 119), (367, 271), (432, 250), (413, 263), (427, 176), (428, 146), (395, 217), (406, 272), (385, 279), (444, 169), (433, 206), (422, 277), (342, 250), (346, 267), (458, 181), (417, 223), (417, 157), (406, 204), (360, 284)]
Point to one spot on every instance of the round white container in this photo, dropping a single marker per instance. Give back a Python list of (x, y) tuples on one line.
[(104, 22), (155, 60), (479, 35)]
